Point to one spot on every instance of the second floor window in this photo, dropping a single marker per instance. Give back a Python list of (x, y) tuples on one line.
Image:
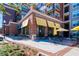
[(57, 6), (75, 14), (66, 9), (66, 17), (74, 5)]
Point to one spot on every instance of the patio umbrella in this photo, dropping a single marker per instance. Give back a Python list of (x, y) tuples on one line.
[(62, 30), (75, 29)]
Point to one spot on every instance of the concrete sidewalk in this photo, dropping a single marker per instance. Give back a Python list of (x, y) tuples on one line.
[(45, 46), (73, 52), (55, 49)]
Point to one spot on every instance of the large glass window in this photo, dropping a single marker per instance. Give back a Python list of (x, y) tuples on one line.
[(66, 33), (57, 15), (50, 8), (66, 26), (66, 9), (75, 13), (75, 23), (74, 5), (39, 6), (25, 31), (65, 3), (57, 6), (50, 31), (66, 17), (41, 31)]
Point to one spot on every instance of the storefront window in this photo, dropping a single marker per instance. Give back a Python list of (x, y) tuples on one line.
[(41, 31), (25, 31), (50, 31)]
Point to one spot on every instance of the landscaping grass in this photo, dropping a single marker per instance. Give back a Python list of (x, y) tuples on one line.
[(7, 49)]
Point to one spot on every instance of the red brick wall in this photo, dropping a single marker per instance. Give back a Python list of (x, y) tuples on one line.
[(32, 25), (13, 30), (61, 12)]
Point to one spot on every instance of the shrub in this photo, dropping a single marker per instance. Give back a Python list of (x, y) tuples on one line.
[(15, 50)]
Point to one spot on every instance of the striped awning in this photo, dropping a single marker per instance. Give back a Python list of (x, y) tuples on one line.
[(40, 21), (50, 23), (24, 23)]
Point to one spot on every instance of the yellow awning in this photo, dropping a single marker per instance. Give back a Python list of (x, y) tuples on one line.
[(25, 23), (55, 32), (57, 25), (40, 21), (50, 24)]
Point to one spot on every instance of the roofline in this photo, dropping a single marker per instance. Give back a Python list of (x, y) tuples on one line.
[(42, 14), (25, 16)]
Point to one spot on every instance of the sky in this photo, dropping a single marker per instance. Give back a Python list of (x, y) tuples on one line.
[(1, 20)]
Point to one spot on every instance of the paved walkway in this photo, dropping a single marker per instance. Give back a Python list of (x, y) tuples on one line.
[(53, 49), (49, 48), (73, 52)]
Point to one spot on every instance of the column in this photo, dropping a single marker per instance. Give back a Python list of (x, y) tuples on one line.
[(46, 29), (32, 27)]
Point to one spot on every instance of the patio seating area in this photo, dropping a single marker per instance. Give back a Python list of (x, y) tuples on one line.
[(54, 40), (57, 40)]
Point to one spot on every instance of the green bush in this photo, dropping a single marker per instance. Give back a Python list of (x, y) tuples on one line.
[(15, 50)]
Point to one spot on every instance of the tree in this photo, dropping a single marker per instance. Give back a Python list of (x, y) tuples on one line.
[(2, 8)]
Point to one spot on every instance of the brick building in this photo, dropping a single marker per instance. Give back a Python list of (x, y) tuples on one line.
[(40, 21)]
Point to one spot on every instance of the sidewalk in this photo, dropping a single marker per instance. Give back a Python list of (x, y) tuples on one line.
[(50, 49), (73, 52)]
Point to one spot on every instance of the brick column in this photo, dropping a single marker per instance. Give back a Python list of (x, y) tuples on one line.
[(6, 29), (46, 29), (32, 27)]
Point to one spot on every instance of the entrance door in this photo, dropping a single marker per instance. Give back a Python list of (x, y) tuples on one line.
[(41, 31), (50, 32)]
